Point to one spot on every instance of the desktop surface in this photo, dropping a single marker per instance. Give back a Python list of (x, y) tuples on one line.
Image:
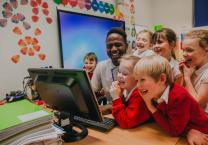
[(146, 134)]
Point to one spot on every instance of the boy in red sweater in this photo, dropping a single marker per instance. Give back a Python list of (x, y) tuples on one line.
[(172, 107), (128, 108), (90, 62)]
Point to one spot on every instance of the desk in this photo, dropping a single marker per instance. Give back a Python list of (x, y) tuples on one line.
[(146, 134), (182, 141)]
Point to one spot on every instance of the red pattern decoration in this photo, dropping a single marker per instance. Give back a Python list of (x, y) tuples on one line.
[(17, 31), (29, 45), (15, 58), (9, 12), (42, 56), (81, 4), (38, 5)]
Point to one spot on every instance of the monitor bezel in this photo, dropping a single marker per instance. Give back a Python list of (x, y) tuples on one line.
[(92, 103)]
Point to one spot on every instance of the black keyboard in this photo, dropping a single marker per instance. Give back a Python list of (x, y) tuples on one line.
[(104, 126)]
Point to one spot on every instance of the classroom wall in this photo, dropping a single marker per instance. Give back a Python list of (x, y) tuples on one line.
[(15, 59), (175, 14), (143, 14)]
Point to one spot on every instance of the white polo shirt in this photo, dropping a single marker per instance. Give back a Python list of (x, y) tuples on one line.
[(103, 76)]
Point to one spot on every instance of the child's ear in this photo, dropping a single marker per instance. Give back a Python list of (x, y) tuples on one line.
[(173, 44), (163, 78)]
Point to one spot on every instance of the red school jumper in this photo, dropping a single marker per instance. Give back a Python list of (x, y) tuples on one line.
[(131, 113), (181, 114)]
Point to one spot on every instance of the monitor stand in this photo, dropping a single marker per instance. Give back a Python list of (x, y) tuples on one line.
[(73, 131)]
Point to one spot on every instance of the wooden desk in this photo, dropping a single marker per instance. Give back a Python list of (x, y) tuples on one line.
[(182, 141), (146, 134)]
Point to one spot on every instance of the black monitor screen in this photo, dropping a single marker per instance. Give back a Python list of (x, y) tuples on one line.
[(67, 90), (82, 33)]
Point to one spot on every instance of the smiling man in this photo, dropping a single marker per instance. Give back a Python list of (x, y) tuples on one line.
[(106, 71)]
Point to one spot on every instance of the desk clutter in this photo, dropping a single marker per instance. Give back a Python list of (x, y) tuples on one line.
[(24, 123)]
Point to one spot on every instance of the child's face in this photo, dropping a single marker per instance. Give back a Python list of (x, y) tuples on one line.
[(163, 48), (149, 87), (89, 65), (125, 76), (193, 54), (143, 41)]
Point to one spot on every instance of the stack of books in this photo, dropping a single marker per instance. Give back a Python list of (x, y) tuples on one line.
[(23, 122)]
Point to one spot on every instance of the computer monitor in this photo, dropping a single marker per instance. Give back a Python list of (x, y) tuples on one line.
[(68, 91)]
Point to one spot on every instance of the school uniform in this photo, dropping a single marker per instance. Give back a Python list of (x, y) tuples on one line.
[(131, 110), (179, 112), (90, 74), (142, 54), (175, 68), (200, 77)]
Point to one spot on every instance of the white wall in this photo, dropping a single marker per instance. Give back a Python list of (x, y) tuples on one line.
[(175, 14), (143, 14)]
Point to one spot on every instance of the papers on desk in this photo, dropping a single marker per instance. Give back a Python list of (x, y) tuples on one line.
[(23, 122), (51, 135), (19, 116)]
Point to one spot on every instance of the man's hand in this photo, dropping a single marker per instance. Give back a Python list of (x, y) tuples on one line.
[(105, 109)]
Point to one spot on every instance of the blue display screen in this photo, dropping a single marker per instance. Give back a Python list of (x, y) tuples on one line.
[(80, 34)]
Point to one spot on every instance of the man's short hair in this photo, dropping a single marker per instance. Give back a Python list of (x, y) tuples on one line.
[(119, 31)]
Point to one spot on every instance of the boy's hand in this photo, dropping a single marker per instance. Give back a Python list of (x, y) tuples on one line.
[(195, 137), (149, 104), (115, 90)]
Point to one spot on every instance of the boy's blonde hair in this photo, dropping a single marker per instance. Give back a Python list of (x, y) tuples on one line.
[(154, 66), (130, 58), (200, 34)]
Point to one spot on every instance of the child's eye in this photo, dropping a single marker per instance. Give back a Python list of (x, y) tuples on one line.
[(188, 50), (141, 80), (125, 74), (144, 40)]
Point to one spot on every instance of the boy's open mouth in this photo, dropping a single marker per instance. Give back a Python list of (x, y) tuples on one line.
[(143, 92)]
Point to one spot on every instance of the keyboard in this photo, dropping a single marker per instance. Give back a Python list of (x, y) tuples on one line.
[(104, 126)]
